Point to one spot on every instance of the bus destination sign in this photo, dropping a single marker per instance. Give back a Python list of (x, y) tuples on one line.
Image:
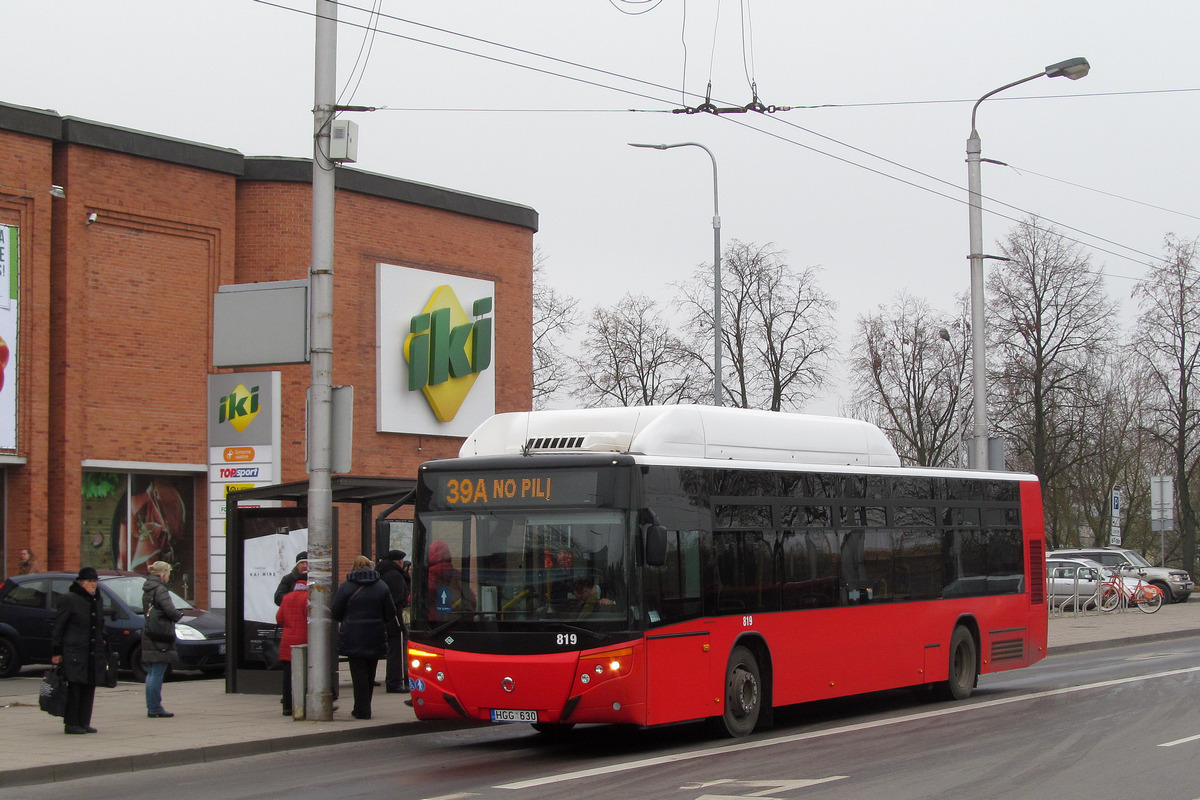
[(514, 488)]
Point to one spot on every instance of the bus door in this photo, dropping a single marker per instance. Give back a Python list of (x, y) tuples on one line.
[(681, 664)]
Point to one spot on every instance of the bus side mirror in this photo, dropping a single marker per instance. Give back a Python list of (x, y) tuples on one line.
[(656, 545)]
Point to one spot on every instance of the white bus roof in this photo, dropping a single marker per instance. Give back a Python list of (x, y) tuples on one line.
[(686, 431)]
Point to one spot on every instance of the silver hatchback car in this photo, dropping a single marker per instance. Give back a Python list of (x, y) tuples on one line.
[(1072, 582)]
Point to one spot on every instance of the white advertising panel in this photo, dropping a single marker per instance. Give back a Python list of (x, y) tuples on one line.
[(10, 260), (435, 346)]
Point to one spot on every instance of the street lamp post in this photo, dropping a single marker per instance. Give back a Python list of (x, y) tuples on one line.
[(717, 391), (1074, 69)]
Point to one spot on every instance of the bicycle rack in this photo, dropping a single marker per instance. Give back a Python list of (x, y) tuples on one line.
[(1079, 605)]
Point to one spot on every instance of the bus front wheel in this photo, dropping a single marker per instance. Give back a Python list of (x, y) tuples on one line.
[(743, 693), (964, 667)]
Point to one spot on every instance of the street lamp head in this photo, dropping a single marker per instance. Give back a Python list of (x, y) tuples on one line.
[(1072, 68), (651, 146)]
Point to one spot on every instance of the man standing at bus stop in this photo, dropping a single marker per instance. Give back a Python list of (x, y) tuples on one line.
[(391, 571)]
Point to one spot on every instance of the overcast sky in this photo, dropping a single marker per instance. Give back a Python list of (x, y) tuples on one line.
[(895, 80)]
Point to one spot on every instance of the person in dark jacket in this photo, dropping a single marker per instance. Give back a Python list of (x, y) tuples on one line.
[(288, 582), (391, 572), (157, 656), (292, 617), (77, 643), (364, 607)]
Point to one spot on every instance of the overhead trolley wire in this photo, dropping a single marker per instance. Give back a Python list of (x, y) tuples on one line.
[(745, 124)]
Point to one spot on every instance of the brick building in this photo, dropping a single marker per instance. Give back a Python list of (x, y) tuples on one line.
[(116, 242)]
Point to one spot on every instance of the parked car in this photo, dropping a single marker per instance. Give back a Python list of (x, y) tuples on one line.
[(1176, 584), (29, 603), (1073, 580)]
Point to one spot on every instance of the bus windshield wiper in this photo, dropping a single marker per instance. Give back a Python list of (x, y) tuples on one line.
[(450, 623)]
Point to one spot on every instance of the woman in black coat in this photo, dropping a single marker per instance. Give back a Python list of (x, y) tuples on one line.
[(364, 607), (78, 644)]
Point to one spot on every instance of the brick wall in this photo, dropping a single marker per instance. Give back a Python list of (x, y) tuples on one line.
[(26, 175), (116, 314)]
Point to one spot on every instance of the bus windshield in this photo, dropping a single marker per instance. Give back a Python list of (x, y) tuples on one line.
[(486, 569)]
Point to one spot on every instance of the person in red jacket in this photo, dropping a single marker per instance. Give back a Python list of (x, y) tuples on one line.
[(293, 616)]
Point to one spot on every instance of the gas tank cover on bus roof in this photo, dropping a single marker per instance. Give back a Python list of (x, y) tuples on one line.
[(686, 431)]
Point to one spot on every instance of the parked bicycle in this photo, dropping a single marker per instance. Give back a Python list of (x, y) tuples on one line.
[(1118, 590)]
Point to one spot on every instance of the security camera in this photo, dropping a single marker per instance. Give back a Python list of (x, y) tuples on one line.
[(92, 217)]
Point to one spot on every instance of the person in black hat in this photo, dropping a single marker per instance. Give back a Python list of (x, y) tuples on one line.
[(77, 643), (391, 572), (288, 582)]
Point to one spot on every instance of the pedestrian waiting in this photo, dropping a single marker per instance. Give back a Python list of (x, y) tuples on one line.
[(78, 644), (292, 616), (364, 607), (158, 635)]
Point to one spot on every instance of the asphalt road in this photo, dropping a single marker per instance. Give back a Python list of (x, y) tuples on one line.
[(1113, 723)]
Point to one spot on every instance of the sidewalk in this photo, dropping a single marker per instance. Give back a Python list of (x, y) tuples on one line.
[(211, 725)]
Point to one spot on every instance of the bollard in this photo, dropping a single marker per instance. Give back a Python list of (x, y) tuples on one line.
[(299, 667)]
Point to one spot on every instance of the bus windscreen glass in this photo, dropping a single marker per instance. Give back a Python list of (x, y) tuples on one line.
[(517, 568)]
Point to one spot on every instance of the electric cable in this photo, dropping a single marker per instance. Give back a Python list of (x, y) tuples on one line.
[(751, 127)]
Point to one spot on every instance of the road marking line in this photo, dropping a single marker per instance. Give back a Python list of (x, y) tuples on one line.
[(810, 735), (1180, 741), (764, 787)]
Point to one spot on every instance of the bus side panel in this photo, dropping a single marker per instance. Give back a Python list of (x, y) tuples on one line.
[(826, 653), (679, 667)]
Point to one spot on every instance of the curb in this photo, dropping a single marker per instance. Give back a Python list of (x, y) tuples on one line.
[(220, 752), (1148, 638)]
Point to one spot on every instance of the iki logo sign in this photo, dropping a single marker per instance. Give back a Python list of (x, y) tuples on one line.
[(446, 350), (434, 367), (238, 408)]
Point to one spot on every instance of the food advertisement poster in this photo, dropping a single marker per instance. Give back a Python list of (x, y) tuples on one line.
[(131, 520), (10, 260)]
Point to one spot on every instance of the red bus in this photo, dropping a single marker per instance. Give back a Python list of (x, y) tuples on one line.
[(671, 563)]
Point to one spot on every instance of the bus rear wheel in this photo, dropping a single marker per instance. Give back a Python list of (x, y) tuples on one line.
[(964, 667), (743, 693)]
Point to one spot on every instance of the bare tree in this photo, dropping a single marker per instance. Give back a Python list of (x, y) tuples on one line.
[(1049, 319), (909, 375), (555, 317), (631, 358), (1168, 340), (1118, 453), (776, 327)]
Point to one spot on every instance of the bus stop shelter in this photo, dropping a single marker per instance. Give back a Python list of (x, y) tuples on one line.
[(246, 669)]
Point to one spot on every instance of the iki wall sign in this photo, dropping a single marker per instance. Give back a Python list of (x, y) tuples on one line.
[(435, 346)]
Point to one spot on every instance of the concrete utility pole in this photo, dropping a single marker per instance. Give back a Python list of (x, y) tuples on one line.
[(319, 700)]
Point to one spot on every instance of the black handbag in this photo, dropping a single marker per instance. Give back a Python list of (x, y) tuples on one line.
[(52, 694), (270, 649), (112, 662), (158, 627)]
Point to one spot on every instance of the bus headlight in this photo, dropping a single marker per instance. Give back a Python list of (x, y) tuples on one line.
[(613, 663), (424, 661)]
